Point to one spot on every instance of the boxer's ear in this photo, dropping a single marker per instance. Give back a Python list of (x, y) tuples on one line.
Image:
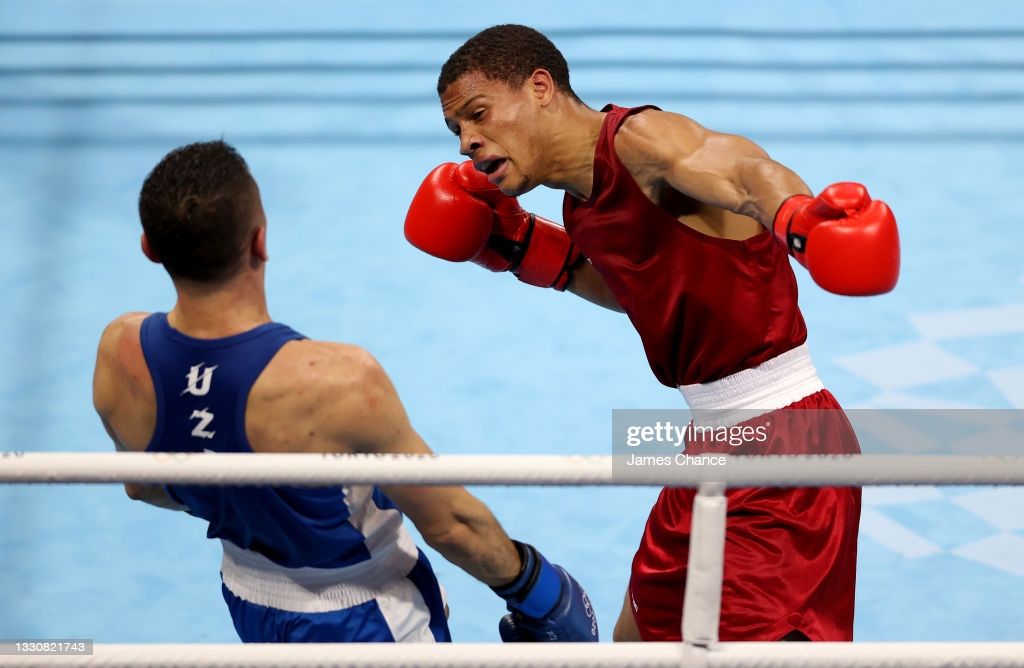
[(147, 250), (258, 248), (542, 86)]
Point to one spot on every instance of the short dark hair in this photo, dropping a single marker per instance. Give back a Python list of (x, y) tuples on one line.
[(509, 53), (197, 209)]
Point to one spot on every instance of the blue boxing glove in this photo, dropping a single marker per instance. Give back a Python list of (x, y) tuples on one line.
[(545, 603)]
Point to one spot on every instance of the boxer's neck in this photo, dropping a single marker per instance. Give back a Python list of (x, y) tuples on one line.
[(229, 308), (571, 142)]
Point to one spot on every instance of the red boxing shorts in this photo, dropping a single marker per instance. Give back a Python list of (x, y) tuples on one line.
[(790, 553)]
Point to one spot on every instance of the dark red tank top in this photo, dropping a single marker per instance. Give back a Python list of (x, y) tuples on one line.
[(705, 307)]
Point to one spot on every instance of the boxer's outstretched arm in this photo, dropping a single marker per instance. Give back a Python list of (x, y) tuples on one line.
[(545, 603), (726, 171), (367, 416), (848, 242)]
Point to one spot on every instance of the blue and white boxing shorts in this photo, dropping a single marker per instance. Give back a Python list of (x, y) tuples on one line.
[(393, 597)]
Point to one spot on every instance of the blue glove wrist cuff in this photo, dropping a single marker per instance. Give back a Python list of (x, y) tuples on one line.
[(537, 588)]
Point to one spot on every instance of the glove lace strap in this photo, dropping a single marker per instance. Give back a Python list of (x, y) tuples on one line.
[(520, 248)]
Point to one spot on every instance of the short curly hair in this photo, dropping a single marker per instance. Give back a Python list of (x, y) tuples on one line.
[(508, 53), (197, 209)]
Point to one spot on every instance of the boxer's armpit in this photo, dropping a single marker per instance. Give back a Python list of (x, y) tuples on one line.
[(589, 285)]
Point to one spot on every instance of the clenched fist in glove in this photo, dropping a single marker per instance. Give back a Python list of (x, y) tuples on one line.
[(458, 215), (847, 241), (545, 603)]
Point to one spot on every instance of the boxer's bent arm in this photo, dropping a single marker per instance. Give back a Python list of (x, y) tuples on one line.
[(105, 393), (451, 520), (589, 285), (154, 495), (726, 171)]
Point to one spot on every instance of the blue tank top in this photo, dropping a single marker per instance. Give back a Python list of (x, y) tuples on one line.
[(202, 386)]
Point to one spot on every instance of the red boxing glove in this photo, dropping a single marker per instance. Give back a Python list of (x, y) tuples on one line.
[(848, 242), (458, 215)]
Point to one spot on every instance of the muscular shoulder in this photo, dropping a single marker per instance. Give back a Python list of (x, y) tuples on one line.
[(658, 141), (324, 365), (119, 359), (323, 388), (121, 328), (654, 138)]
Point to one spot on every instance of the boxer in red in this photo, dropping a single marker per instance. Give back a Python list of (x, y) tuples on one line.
[(686, 231)]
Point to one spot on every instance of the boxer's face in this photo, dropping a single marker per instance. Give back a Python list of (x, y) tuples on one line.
[(497, 126)]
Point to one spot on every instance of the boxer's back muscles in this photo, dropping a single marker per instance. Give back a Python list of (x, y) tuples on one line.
[(302, 379)]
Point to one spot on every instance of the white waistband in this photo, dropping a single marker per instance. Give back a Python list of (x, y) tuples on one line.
[(254, 578), (771, 385)]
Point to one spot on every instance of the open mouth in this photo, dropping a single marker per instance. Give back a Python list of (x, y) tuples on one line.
[(492, 166)]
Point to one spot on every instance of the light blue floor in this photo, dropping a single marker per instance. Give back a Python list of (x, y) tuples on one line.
[(932, 121)]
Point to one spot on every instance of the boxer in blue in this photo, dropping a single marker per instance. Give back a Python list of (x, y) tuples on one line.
[(216, 374)]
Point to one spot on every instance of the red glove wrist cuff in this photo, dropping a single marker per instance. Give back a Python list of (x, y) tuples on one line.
[(550, 257), (783, 222)]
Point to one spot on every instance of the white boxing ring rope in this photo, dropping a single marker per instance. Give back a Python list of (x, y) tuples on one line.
[(703, 587), (550, 655), (321, 469)]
